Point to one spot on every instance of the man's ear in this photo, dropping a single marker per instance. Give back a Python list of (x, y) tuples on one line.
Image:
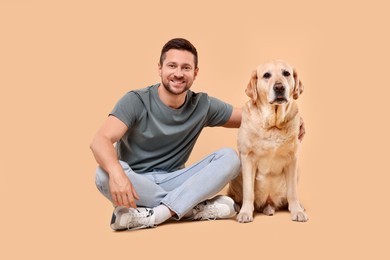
[(159, 69), (298, 87), (251, 89), (196, 71)]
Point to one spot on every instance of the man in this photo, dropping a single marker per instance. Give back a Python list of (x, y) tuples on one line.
[(155, 130)]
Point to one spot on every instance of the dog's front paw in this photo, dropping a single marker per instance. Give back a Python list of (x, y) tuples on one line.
[(245, 217), (299, 216)]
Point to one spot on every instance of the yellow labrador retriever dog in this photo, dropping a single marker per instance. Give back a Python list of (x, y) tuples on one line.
[(268, 144)]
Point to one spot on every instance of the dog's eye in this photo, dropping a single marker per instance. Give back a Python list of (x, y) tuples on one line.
[(286, 73), (267, 75)]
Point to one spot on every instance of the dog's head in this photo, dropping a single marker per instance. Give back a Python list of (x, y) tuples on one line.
[(275, 82)]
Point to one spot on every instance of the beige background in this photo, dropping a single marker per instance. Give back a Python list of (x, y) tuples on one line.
[(64, 64)]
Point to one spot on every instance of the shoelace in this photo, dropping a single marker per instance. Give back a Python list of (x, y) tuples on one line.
[(138, 220), (206, 211)]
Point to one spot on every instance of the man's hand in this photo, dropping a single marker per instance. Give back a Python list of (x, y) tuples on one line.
[(122, 191), (301, 130)]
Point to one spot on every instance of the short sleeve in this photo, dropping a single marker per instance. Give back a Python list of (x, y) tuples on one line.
[(219, 112), (128, 109)]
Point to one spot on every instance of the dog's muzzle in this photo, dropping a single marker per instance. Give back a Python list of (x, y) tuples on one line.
[(280, 93)]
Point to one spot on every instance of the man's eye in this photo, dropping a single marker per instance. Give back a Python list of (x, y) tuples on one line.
[(286, 73), (267, 75)]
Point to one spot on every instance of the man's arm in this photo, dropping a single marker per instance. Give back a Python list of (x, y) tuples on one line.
[(235, 119), (235, 122), (122, 190)]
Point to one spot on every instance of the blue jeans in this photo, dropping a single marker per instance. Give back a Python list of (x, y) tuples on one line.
[(180, 190)]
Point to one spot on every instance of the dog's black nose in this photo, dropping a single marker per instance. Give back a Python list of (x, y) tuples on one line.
[(279, 88)]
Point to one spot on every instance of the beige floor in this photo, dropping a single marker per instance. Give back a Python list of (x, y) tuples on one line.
[(64, 64)]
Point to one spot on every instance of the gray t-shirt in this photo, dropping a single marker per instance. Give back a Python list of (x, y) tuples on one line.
[(160, 137)]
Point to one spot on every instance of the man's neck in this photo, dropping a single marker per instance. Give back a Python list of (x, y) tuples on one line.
[(171, 100)]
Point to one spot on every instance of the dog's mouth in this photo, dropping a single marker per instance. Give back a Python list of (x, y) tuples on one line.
[(279, 100)]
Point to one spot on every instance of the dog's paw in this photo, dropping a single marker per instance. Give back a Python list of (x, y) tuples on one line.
[(245, 217), (269, 210), (299, 216)]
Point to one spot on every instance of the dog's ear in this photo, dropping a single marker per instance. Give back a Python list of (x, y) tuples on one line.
[(251, 89), (298, 87)]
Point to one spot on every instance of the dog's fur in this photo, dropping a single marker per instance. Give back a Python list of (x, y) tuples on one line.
[(268, 144)]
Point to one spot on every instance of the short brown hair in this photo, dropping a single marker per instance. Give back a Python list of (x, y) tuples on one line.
[(179, 44)]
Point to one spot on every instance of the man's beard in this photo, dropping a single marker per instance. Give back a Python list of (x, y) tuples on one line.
[(171, 90)]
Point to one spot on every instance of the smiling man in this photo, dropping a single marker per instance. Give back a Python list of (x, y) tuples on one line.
[(155, 129)]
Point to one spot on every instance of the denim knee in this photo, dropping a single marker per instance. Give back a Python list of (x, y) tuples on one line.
[(233, 162), (101, 181)]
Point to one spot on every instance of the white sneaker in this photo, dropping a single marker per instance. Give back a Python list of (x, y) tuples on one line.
[(218, 207), (132, 219)]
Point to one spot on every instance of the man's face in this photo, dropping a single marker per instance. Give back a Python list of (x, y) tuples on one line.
[(178, 71)]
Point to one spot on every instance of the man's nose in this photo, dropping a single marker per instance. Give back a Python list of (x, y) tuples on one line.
[(178, 72)]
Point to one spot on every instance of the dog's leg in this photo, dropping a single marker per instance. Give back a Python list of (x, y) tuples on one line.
[(248, 177), (295, 208)]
